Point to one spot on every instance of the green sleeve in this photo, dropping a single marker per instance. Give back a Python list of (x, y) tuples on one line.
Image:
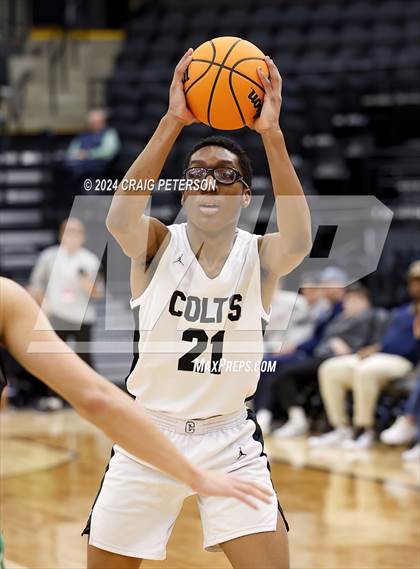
[(108, 148), (73, 148)]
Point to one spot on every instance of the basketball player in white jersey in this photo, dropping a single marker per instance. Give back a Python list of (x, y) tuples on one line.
[(201, 304)]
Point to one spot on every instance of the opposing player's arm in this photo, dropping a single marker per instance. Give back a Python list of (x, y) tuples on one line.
[(136, 233), (99, 401), (284, 250)]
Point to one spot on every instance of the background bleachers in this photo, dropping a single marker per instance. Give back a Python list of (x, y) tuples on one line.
[(351, 101), (351, 95)]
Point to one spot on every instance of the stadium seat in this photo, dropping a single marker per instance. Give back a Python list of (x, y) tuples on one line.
[(144, 25), (411, 31), (382, 56), (387, 34), (355, 13), (297, 15), (342, 59), (411, 10), (134, 49), (165, 46), (390, 11), (409, 57), (205, 20), (354, 36), (326, 14), (313, 61), (266, 18), (172, 23), (290, 40), (260, 38), (286, 62), (320, 37)]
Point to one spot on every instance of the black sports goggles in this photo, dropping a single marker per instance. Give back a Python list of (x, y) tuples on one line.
[(223, 175)]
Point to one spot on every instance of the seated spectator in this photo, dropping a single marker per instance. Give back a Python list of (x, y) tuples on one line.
[(366, 374), (325, 305), (349, 331), (62, 280), (90, 152), (293, 316), (407, 427)]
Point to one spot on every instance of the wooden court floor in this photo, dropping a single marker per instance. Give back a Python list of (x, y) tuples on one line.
[(362, 513)]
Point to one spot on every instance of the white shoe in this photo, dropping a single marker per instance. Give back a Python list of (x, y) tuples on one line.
[(264, 417), (412, 454), (335, 437), (291, 429), (401, 432), (363, 442)]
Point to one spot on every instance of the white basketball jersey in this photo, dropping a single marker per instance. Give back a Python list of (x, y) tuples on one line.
[(201, 338)]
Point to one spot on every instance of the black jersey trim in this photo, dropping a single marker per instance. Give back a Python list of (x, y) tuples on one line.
[(3, 380), (86, 531), (258, 436)]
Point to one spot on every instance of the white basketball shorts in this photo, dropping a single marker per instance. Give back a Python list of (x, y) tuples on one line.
[(137, 505)]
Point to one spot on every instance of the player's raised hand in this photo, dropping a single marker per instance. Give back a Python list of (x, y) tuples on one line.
[(213, 483), (177, 103), (270, 112)]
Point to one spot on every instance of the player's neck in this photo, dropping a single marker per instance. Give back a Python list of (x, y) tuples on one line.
[(211, 247)]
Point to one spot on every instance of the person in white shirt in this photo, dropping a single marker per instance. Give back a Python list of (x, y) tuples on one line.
[(63, 280), (292, 321)]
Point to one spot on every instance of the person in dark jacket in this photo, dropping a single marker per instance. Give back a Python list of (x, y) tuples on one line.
[(367, 373), (349, 331), (91, 151), (331, 284), (406, 428)]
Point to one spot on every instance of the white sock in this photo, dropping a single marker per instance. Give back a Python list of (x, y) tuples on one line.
[(264, 415), (297, 415)]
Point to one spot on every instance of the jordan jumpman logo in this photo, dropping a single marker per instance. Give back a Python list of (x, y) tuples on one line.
[(241, 454), (179, 260)]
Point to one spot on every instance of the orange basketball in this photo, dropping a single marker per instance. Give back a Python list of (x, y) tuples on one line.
[(221, 84)]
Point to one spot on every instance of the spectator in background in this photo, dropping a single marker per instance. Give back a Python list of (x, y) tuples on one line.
[(332, 282), (63, 280), (366, 374), (345, 334), (326, 304), (90, 152), (407, 427), (293, 316)]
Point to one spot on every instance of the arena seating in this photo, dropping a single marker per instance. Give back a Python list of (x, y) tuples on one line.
[(351, 103), (335, 58)]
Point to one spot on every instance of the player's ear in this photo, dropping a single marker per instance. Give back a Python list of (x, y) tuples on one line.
[(246, 197)]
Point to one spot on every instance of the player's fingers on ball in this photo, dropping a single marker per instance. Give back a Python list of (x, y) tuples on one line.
[(265, 80), (275, 76), (184, 61)]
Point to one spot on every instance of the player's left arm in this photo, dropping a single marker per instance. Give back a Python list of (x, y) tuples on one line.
[(101, 402), (284, 250)]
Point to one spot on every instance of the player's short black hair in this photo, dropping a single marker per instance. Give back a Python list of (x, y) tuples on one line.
[(232, 146)]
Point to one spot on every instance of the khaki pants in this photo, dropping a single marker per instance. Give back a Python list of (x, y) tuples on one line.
[(365, 377)]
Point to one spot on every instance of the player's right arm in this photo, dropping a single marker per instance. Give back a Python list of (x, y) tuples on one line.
[(137, 234), (98, 400)]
